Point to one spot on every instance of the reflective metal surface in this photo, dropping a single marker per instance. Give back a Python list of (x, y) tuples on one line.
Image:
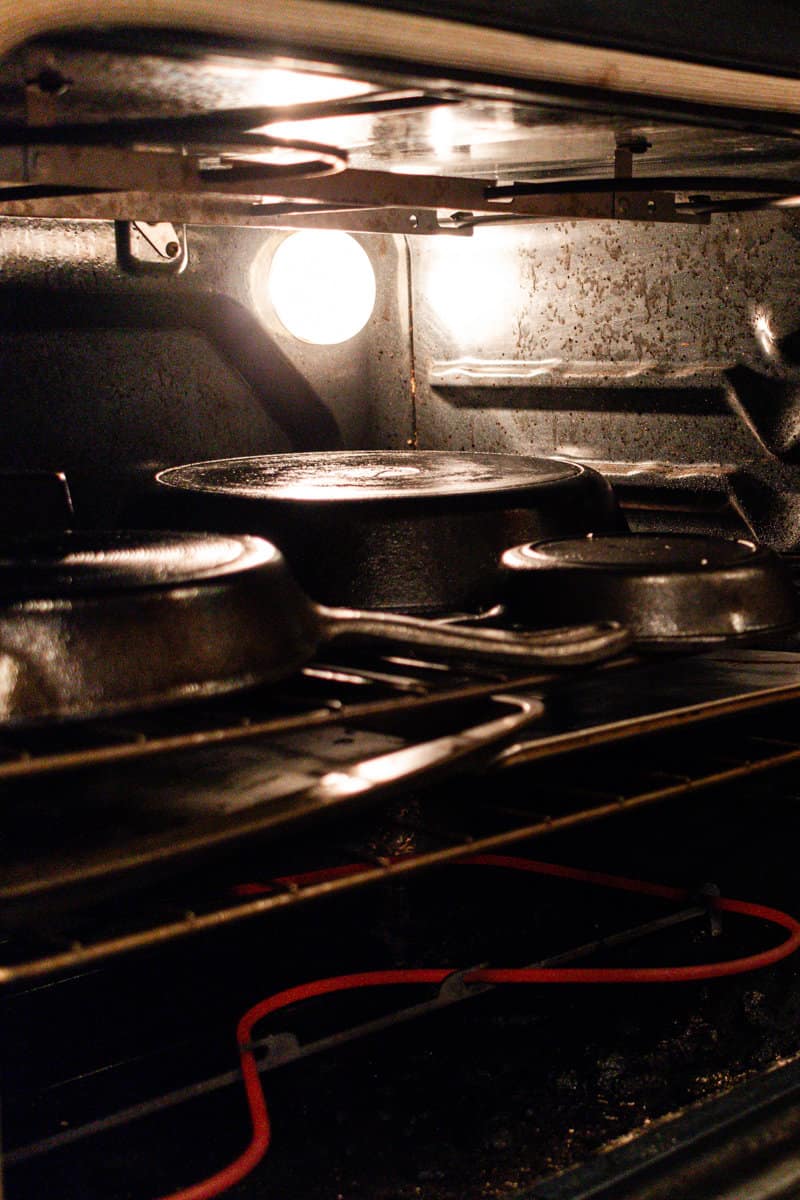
[(125, 626), (505, 135), (75, 563), (680, 590), (368, 475), (662, 553), (411, 530)]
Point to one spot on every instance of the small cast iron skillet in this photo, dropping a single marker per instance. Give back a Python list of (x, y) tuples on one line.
[(673, 591), (97, 623)]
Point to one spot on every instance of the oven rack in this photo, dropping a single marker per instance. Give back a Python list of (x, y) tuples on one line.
[(321, 695), (429, 829), (352, 692), (277, 1050)]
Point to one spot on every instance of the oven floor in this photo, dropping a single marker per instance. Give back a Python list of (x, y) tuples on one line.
[(479, 1100)]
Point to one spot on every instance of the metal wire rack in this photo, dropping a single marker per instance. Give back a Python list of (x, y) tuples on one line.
[(580, 777), (322, 695), (278, 1049), (327, 694)]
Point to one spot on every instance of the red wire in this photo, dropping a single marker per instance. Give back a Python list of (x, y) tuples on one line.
[(733, 966), (259, 1143), (259, 1116)]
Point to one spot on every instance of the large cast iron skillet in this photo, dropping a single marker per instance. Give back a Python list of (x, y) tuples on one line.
[(96, 623), (673, 591), (411, 530)]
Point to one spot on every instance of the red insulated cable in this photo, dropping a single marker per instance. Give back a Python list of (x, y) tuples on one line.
[(733, 966), (259, 1143), (259, 1117)]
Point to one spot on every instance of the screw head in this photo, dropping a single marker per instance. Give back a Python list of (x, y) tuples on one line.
[(172, 249), (51, 82)]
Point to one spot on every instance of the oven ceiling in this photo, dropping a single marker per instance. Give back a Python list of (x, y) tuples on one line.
[(437, 128), (378, 151), (410, 98)]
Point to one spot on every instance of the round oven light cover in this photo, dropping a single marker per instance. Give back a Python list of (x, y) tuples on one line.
[(321, 286)]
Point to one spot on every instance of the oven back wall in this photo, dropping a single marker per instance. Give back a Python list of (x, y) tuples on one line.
[(667, 355), (109, 374)]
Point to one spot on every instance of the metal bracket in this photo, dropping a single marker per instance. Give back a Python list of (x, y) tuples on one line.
[(132, 184), (458, 987), (624, 151), (145, 246), (421, 221), (708, 893), (280, 1048)]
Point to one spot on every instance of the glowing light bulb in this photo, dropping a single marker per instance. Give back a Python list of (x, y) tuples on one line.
[(321, 286)]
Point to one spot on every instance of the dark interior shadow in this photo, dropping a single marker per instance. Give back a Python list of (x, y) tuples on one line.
[(234, 332)]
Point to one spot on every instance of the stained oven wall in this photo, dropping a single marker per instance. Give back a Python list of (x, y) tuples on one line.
[(662, 353), (108, 374), (665, 354)]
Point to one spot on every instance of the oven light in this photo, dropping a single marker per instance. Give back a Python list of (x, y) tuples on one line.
[(321, 286)]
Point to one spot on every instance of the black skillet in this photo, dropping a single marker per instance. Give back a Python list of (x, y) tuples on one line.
[(673, 591), (415, 530), (97, 623)]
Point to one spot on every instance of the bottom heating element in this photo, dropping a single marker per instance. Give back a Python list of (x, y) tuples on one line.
[(484, 1095)]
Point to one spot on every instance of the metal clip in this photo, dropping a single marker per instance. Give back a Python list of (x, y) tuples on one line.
[(151, 246), (456, 986), (708, 893), (278, 1048)]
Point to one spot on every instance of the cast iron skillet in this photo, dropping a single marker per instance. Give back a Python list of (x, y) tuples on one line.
[(419, 531), (97, 623), (673, 591)]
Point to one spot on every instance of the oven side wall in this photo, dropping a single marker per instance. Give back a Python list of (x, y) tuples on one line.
[(109, 374)]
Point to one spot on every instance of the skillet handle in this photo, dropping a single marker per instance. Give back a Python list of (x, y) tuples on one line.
[(569, 646), (400, 767)]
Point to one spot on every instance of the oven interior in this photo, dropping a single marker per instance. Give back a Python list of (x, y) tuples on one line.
[(587, 274)]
